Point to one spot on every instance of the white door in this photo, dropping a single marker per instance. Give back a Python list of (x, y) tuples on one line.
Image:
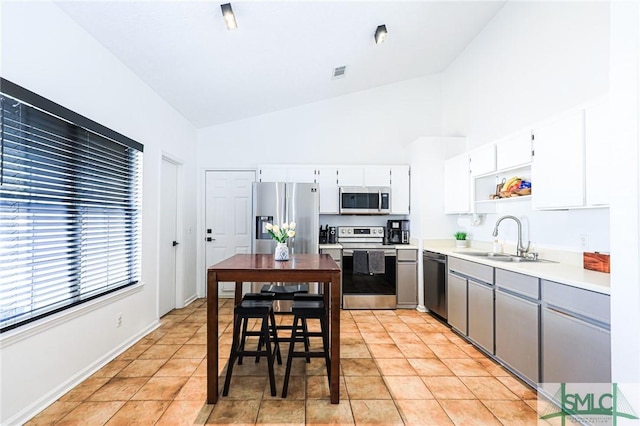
[(227, 217), (168, 236)]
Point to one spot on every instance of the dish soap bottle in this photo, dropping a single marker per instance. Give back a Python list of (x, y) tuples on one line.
[(496, 246)]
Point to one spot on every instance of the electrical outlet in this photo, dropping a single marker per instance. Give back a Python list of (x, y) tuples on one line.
[(584, 241), (118, 319)]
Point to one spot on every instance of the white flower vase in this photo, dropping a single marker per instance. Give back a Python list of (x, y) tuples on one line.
[(461, 243), (282, 252)]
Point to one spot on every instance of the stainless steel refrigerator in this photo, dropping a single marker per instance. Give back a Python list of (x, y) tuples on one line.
[(280, 202)]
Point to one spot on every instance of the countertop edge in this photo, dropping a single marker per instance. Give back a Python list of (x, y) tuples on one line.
[(571, 275)]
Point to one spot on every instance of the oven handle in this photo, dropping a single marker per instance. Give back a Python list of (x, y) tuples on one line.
[(387, 252)]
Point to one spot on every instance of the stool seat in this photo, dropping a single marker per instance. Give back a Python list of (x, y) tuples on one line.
[(285, 292)]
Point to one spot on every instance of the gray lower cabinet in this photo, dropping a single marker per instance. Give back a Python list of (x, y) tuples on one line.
[(335, 253), (470, 300), (576, 341), (480, 312), (518, 323), (457, 302), (407, 278), (517, 334)]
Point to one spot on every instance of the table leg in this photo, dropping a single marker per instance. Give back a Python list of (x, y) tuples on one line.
[(335, 338), (212, 338)]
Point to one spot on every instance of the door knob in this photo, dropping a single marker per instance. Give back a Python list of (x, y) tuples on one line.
[(175, 243)]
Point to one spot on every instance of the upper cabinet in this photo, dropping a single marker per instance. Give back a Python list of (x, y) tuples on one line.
[(330, 178), (457, 185), (327, 179), (513, 151), (597, 154), (483, 160), (557, 173), (571, 162), (350, 176), (377, 176), (272, 174), (400, 189)]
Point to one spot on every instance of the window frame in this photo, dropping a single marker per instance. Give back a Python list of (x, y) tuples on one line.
[(133, 233)]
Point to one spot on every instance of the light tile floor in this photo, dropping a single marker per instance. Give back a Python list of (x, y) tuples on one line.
[(398, 367)]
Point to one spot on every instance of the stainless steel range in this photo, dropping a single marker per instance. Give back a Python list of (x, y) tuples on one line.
[(368, 268)]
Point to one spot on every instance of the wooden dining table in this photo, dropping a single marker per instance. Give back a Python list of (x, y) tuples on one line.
[(241, 268)]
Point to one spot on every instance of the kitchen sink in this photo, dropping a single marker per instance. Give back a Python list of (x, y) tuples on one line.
[(503, 257)]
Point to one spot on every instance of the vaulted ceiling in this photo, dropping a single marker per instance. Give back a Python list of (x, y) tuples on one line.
[(282, 54)]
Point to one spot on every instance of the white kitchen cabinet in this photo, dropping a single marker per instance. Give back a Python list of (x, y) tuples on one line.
[(400, 190), (483, 160), (597, 154), (272, 174), (327, 179), (377, 176), (286, 173), (513, 151), (457, 198), (557, 170), (301, 174), (350, 176)]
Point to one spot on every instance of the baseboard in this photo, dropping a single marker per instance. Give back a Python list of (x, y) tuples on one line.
[(190, 300), (37, 406)]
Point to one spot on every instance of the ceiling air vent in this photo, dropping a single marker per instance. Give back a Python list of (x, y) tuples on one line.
[(338, 72)]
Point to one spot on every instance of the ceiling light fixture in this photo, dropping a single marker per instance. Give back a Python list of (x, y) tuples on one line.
[(229, 17), (381, 34)]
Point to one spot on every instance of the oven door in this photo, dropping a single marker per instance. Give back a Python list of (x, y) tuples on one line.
[(365, 200), (369, 289)]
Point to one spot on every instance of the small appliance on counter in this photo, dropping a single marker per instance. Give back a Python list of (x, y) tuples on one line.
[(328, 234), (397, 232)]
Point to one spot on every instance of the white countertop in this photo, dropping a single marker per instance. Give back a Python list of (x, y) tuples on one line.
[(572, 275), (391, 246)]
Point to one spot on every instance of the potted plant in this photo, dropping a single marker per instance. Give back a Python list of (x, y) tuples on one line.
[(461, 239), (280, 235)]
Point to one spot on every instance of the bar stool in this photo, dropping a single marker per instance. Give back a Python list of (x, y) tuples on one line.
[(307, 306), (288, 292), (272, 328), (246, 310)]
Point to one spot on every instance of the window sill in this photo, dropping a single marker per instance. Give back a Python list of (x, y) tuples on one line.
[(29, 330)]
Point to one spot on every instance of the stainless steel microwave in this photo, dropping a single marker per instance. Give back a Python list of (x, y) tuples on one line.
[(365, 200)]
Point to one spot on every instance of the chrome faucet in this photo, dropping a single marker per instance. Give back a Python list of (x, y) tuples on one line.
[(521, 250)]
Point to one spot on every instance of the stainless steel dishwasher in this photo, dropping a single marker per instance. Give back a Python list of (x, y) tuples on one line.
[(435, 279)]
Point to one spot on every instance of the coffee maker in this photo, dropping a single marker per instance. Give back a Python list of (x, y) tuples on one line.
[(397, 232), (328, 234)]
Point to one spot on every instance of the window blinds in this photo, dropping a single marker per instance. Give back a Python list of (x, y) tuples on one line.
[(70, 209)]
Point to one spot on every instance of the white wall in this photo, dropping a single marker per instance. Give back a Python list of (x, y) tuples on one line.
[(368, 127), (375, 126), (44, 51), (533, 60), (625, 198)]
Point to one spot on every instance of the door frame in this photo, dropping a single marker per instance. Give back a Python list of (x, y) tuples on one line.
[(179, 294), (201, 234)]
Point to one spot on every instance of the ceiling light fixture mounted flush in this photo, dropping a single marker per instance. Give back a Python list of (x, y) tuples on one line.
[(381, 34), (229, 17)]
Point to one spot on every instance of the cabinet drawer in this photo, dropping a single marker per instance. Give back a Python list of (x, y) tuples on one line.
[(336, 254), (483, 273), (518, 283), (585, 303), (405, 255)]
